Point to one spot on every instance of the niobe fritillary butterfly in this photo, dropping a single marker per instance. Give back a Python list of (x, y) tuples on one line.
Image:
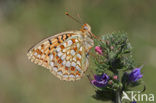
[(64, 54)]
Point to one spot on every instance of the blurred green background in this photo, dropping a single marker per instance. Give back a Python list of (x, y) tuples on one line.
[(25, 22)]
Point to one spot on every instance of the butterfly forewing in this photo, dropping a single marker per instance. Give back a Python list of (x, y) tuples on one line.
[(63, 54)]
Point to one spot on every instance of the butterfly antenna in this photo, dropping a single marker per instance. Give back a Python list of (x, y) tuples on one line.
[(78, 15), (72, 17)]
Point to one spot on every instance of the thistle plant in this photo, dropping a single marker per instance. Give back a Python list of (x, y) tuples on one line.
[(115, 69)]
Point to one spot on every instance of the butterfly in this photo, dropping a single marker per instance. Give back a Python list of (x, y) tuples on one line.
[(65, 54)]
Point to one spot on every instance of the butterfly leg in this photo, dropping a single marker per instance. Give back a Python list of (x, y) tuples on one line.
[(95, 37)]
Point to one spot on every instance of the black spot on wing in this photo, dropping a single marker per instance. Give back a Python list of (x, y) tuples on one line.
[(50, 42)]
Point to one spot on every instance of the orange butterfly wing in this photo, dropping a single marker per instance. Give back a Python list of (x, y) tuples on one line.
[(63, 54)]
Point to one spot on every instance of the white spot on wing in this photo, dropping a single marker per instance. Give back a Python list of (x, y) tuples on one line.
[(68, 57), (51, 56), (35, 53), (80, 48), (72, 52), (78, 68), (77, 75), (58, 49), (73, 64), (74, 59), (65, 76), (51, 64), (63, 57), (64, 44), (64, 50), (71, 76), (69, 42), (55, 69), (76, 40), (78, 62), (67, 52), (78, 45), (64, 62), (79, 56), (60, 73), (60, 53), (68, 64), (39, 56)]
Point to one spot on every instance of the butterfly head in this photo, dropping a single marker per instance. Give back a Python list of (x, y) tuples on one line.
[(86, 28)]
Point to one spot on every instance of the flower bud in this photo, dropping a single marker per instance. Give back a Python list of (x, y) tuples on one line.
[(135, 75), (115, 77), (98, 49)]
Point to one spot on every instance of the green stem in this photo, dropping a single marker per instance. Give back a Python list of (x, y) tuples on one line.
[(118, 98)]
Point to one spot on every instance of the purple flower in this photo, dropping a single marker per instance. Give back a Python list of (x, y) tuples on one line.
[(100, 80), (98, 49), (135, 75), (133, 102)]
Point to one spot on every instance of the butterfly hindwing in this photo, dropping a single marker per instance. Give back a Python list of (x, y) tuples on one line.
[(63, 54)]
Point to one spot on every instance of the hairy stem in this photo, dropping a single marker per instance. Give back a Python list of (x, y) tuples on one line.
[(118, 97)]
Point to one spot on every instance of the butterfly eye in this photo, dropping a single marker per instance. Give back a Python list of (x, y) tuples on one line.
[(85, 27)]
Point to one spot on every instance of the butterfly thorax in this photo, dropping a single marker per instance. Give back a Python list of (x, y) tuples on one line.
[(85, 29), (86, 35)]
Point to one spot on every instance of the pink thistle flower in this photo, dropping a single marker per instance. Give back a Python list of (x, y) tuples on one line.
[(112, 47), (115, 77), (98, 49)]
